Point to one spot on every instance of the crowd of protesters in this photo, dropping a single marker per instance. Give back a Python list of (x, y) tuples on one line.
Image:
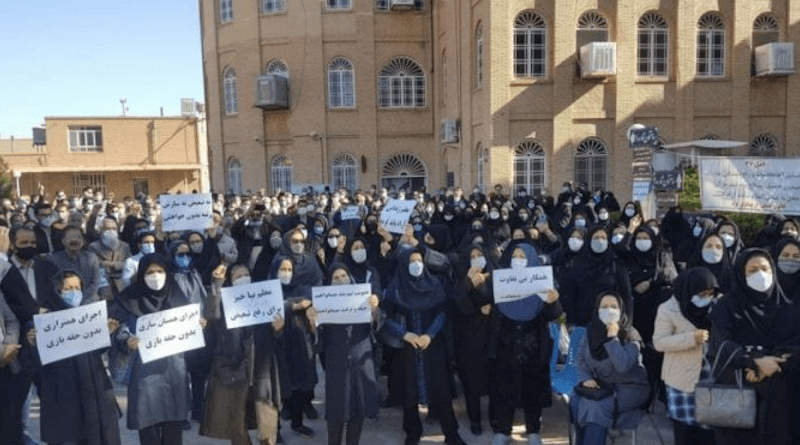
[(656, 299)]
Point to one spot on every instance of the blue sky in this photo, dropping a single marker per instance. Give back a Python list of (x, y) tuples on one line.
[(79, 58)]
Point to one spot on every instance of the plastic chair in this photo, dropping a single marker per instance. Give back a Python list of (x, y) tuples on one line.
[(563, 380)]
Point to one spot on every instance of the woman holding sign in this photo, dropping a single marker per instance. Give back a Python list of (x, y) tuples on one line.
[(521, 346)]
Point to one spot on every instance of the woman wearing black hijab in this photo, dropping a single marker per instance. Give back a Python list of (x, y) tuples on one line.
[(787, 257), (713, 255), (681, 331), (595, 269), (759, 324), (686, 247), (415, 304), (271, 246), (158, 391), (731, 236)]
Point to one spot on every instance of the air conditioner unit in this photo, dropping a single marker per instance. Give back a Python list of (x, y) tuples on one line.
[(449, 131), (187, 108), (775, 59), (272, 92), (598, 59), (401, 5), (39, 136)]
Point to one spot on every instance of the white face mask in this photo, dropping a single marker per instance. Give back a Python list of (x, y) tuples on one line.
[(285, 277), (109, 238), (415, 268), (448, 217), (575, 244), (643, 245), (760, 281), (241, 281), (155, 281), (275, 242), (608, 315), (519, 263), (494, 215), (580, 222), (479, 262), (603, 216), (697, 231), (599, 245), (359, 255), (712, 256), (728, 239), (629, 213), (701, 302), (342, 282), (617, 238), (298, 248), (333, 242)]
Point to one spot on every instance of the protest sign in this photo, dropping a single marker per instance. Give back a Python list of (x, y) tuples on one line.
[(667, 180), (516, 284), (395, 215), (350, 212), (752, 185), (641, 190), (643, 136), (186, 212), (170, 332), (252, 304), (342, 304), (71, 332)]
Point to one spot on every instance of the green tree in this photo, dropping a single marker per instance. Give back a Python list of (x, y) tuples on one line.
[(6, 184)]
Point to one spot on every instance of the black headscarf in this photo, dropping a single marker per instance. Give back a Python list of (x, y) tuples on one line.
[(690, 283), (597, 332), (590, 263), (790, 283), (415, 293), (140, 299), (721, 270)]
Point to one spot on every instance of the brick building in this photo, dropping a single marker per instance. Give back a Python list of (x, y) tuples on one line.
[(525, 93)]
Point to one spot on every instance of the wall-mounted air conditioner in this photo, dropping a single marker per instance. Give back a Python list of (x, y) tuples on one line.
[(449, 131), (598, 59), (775, 59), (39, 136), (272, 92), (188, 108), (401, 5)]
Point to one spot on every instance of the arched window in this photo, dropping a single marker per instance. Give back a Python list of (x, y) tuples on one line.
[(530, 45), (273, 6), (282, 173), (404, 170), (483, 166), (343, 172), (592, 27), (401, 84), (710, 45), (235, 176), (653, 54), (765, 30), (277, 67), (230, 91), (479, 55), (529, 168), (590, 163), (341, 84), (225, 11), (764, 144)]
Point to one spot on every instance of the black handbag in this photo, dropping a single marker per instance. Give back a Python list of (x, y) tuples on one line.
[(594, 393)]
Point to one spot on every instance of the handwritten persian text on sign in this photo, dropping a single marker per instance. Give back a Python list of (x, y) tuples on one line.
[(170, 332), (395, 215), (186, 212), (252, 304), (350, 212), (71, 332), (643, 137), (641, 190), (342, 304), (516, 284), (753, 185)]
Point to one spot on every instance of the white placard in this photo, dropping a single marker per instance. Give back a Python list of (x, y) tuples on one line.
[(350, 212), (641, 190), (170, 332), (751, 185), (71, 332), (186, 212), (394, 217), (342, 304), (516, 284), (252, 304)]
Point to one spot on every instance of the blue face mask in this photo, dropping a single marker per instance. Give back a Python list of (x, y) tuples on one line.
[(183, 261), (72, 298), (148, 248)]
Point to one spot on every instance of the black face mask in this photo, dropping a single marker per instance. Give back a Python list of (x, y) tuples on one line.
[(26, 253)]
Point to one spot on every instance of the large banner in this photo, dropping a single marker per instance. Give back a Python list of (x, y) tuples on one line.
[(751, 185), (71, 332), (516, 284), (342, 304), (395, 215), (186, 212), (252, 304), (169, 332)]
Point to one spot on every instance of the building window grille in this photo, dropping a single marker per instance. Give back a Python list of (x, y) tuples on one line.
[(479, 56), (765, 30), (225, 11), (483, 165), (764, 144), (341, 84), (401, 84), (383, 5), (273, 6), (529, 167), (86, 138), (82, 181), (235, 176), (282, 173), (591, 163), (343, 172), (653, 51), (339, 4), (230, 90), (530, 45), (404, 171), (592, 27), (710, 46)]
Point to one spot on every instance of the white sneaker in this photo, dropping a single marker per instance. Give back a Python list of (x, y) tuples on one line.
[(534, 439), (500, 439)]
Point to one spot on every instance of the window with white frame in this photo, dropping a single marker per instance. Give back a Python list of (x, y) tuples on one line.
[(277, 67), (273, 6), (230, 91), (82, 181), (235, 176), (529, 166), (401, 84), (592, 27), (483, 166), (530, 45), (765, 30), (479, 56), (764, 144), (85, 138), (339, 4), (653, 51), (404, 170), (710, 46), (343, 172), (383, 5), (282, 173), (444, 77), (591, 163), (341, 84), (225, 11)]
